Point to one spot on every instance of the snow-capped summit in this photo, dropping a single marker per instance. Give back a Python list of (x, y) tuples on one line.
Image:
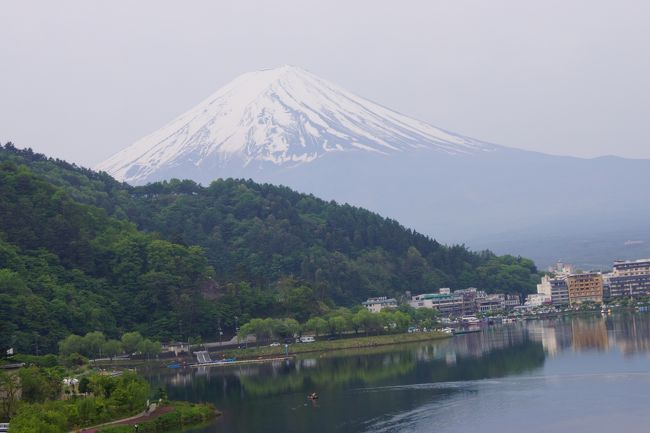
[(285, 117)]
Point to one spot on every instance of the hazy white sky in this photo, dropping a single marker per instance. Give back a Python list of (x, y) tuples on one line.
[(82, 79)]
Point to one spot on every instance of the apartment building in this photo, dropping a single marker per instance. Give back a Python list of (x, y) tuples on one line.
[(448, 304), (585, 287), (629, 278)]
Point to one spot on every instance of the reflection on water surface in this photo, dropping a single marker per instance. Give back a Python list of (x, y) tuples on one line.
[(570, 373)]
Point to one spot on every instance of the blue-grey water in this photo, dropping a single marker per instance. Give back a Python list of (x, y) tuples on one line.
[(569, 374)]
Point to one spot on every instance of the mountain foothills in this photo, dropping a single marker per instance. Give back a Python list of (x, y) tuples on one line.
[(287, 126), (80, 252)]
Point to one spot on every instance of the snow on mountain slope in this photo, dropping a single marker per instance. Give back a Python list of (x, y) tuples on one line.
[(284, 116)]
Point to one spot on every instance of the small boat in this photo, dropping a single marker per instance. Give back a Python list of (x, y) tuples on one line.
[(313, 396), (174, 365)]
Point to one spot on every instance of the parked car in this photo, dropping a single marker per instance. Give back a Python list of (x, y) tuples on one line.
[(274, 344)]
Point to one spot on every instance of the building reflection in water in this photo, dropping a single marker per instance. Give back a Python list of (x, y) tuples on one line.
[(631, 335), (589, 334)]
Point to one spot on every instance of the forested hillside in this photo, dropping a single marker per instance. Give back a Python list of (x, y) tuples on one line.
[(80, 251)]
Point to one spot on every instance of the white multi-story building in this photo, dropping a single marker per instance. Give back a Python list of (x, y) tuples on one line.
[(544, 288), (561, 269), (375, 305), (536, 300), (446, 303), (554, 289)]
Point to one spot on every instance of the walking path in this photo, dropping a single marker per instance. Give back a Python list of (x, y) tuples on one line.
[(135, 419)]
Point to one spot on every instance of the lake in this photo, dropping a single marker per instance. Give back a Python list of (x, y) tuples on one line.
[(568, 374)]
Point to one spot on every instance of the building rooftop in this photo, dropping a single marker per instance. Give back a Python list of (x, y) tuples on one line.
[(631, 263), (382, 300), (435, 296)]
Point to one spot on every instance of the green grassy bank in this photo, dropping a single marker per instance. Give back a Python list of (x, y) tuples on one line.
[(182, 416), (326, 346)]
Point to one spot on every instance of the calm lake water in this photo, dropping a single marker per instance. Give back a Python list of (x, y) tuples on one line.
[(570, 374)]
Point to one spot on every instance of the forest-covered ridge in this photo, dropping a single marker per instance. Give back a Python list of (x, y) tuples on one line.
[(80, 251)]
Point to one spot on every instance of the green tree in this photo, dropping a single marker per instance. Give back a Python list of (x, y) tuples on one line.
[(71, 344), (287, 328), (367, 321), (37, 418), (149, 348), (317, 325), (131, 341), (112, 348), (338, 325), (93, 342), (37, 385), (9, 395), (84, 385)]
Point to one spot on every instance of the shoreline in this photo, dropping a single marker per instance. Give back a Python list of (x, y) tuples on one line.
[(269, 354), (262, 354)]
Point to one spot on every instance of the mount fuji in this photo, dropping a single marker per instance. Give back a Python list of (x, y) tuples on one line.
[(288, 126), (283, 117)]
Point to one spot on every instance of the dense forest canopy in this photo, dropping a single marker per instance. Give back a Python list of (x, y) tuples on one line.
[(81, 252)]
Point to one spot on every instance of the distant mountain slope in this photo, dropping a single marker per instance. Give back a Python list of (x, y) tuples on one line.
[(233, 249), (288, 126)]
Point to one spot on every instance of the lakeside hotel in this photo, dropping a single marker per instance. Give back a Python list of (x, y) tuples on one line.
[(628, 278)]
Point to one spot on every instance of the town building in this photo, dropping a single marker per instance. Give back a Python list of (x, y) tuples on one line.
[(544, 288), (631, 268), (511, 301), (561, 269), (448, 304), (375, 305), (464, 302), (554, 290), (559, 291), (629, 278), (585, 287), (491, 303), (536, 300), (471, 297), (176, 347)]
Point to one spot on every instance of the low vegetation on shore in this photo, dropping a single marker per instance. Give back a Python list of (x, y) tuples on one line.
[(46, 397)]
